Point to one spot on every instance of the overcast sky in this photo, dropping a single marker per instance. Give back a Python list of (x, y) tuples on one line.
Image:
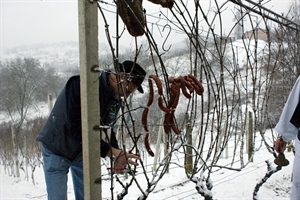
[(26, 22)]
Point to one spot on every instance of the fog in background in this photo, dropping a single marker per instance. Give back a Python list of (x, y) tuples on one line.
[(28, 22)]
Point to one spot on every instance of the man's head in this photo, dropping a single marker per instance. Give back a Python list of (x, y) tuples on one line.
[(133, 73)]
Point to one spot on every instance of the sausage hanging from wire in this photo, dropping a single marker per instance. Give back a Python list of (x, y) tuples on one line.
[(145, 118), (147, 144), (187, 84), (197, 85), (158, 83), (151, 93)]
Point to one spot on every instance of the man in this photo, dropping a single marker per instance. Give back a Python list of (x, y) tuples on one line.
[(61, 135), (288, 128)]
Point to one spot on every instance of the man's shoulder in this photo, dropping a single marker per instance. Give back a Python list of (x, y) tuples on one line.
[(75, 77), (73, 83)]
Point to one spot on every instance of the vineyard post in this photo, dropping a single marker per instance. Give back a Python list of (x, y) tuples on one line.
[(158, 143), (50, 102), (15, 150), (250, 136), (89, 91), (188, 158)]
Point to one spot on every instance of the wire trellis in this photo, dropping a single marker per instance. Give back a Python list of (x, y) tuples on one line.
[(241, 75)]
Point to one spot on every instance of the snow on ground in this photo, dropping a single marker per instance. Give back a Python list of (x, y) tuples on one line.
[(227, 184)]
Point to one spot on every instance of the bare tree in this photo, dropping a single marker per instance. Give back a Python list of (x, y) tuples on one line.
[(23, 81)]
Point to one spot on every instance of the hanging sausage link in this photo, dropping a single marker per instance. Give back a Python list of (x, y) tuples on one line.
[(147, 144), (197, 85), (151, 93), (144, 119), (187, 84)]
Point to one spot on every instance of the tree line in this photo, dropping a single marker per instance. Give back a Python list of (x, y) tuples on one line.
[(25, 83)]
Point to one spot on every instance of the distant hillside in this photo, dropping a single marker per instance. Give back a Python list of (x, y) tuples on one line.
[(64, 56)]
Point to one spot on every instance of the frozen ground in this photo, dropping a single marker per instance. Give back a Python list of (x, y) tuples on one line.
[(227, 184)]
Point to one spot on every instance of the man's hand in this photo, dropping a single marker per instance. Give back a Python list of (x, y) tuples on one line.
[(280, 145), (122, 159)]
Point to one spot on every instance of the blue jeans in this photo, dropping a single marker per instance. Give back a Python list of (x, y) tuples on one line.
[(56, 169)]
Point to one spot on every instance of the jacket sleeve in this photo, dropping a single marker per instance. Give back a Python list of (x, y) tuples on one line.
[(284, 127), (114, 141), (105, 146)]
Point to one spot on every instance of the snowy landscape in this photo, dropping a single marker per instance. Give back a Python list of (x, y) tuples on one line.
[(225, 132), (227, 184)]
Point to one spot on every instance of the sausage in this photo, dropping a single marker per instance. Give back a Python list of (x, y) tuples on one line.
[(157, 82), (147, 144), (144, 119), (151, 93), (189, 85), (171, 79), (172, 94), (161, 106), (175, 129), (193, 83), (173, 125), (176, 99), (183, 87), (167, 127), (199, 89), (165, 4), (197, 85), (187, 78)]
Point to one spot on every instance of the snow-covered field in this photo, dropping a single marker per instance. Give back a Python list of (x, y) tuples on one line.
[(227, 184)]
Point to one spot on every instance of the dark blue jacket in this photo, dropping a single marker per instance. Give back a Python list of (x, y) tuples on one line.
[(62, 130)]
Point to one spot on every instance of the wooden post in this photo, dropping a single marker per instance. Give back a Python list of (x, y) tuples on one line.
[(89, 89), (16, 152), (50, 102), (188, 157), (166, 148), (250, 136), (158, 143)]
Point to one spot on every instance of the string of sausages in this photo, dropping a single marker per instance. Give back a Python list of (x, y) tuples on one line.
[(186, 84)]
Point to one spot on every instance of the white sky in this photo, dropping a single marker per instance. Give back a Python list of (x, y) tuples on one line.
[(26, 22)]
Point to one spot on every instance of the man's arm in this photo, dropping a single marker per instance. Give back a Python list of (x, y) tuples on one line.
[(284, 127)]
